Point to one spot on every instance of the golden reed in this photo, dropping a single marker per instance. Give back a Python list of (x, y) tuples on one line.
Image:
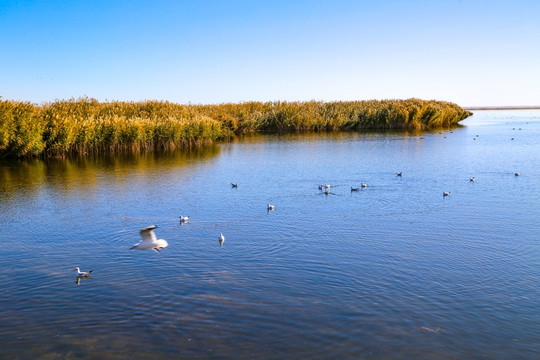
[(86, 125)]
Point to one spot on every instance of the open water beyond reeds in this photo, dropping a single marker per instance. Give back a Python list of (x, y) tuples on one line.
[(392, 271)]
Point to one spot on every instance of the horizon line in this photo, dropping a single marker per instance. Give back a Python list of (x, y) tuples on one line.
[(507, 107)]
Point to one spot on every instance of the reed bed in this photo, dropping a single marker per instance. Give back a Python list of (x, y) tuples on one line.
[(87, 126)]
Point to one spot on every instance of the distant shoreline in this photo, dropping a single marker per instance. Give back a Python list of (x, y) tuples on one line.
[(531, 107)]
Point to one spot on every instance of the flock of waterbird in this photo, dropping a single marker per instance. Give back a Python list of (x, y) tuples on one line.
[(326, 187), (150, 241)]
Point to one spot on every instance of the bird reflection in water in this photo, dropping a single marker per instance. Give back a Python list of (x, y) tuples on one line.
[(79, 278)]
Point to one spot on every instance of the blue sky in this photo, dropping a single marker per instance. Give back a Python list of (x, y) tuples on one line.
[(464, 51)]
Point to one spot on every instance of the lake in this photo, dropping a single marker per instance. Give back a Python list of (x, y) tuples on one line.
[(393, 271)]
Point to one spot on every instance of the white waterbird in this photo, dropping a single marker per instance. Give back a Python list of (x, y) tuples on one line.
[(82, 273), (221, 239), (270, 207), (363, 185), (472, 179), (149, 240), (446, 193), (184, 219)]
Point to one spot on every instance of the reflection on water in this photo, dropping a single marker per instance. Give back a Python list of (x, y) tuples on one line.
[(25, 177), (78, 279), (393, 270)]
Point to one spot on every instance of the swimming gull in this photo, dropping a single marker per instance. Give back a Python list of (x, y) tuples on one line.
[(221, 239), (184, 219), (82, 273)]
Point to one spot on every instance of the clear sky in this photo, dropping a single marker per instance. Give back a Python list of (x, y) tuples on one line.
[(472, 52)]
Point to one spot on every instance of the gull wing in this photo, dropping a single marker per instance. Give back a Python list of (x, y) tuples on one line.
[(147, 233)]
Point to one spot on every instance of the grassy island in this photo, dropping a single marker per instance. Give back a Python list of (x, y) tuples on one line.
[(88, 126)]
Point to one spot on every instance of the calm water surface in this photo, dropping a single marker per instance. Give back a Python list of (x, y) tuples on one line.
[(394, 271)]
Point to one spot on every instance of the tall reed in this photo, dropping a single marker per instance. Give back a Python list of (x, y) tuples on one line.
[(21, 129), (85, 125)]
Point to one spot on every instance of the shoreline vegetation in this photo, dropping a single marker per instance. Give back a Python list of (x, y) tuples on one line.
[(87, 126)]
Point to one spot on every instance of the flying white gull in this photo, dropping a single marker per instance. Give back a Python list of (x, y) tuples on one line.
[(149, 240)]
